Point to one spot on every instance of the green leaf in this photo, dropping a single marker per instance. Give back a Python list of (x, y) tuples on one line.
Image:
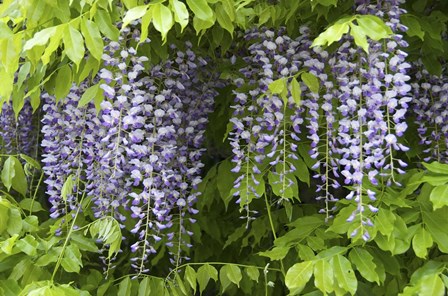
[(64, 82), (73, 44), (30, 161), (181, 14), (8, 172), (363, 261), (373, 26), (15, 221), (233, 273), (344, 274), (144, 289), (360, 37), (201, 9), (277, 253), (439, 196), (277, 86), (133, 14), (323, 276), (92, 35), (67, 188), (332, 34), (436, 167), (421, 241), (432, 285), (28, 245), (84, 243), (190, 277), (436, 225), (88, 95), (162, 19), (298, 276), (72, 260), (413, 25), (296, 91), (125, 287), (311, 81), (40, 38), (19, 181), (55, 41), (201, 25), (253, 273), (104, 22), (224, 19), (204, 273), (7, 245)]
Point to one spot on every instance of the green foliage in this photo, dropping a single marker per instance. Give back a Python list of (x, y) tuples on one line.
[(287, 247)]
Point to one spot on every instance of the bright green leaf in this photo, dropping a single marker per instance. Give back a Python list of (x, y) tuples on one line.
[(323, 276), (224, 19), (296, 91), (332, 34), (431, 285), (104, 22), (344, 274), (73, 44), (359, 37), (277, 253), (233, 273), (181, 14), (134, 14), (373, 26), (298, 276), (311, 81), (67, 188), (204, 274), (8, 172), (88, 95), (94, 41), (162, 19), (439, 196), (253, 273), (190, 277), (363, 262), (201, 9), (40, 38), (421, 241), (28, 245), (125, 286), (277, 86)]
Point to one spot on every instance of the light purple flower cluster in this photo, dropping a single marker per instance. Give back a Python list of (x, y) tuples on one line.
[(363, 97), (262, 138), (374, 97), (142, 152), (430, 108), (17, 135)]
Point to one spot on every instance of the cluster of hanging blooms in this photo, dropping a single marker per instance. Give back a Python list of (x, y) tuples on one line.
[(430, 107), (353, 124), (17, 135), (140, 152)]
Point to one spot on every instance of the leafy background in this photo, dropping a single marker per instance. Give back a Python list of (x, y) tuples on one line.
[(286, 249)]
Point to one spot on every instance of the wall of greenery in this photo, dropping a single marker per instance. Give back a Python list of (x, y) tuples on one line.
[(223, 147)]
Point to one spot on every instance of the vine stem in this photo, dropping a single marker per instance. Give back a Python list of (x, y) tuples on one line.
[(64, 246), (271, 222)]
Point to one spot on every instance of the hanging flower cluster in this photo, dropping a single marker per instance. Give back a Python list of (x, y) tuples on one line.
[(142, 152), (266, 125), (363, 99), (17, 138), (430, 108)]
